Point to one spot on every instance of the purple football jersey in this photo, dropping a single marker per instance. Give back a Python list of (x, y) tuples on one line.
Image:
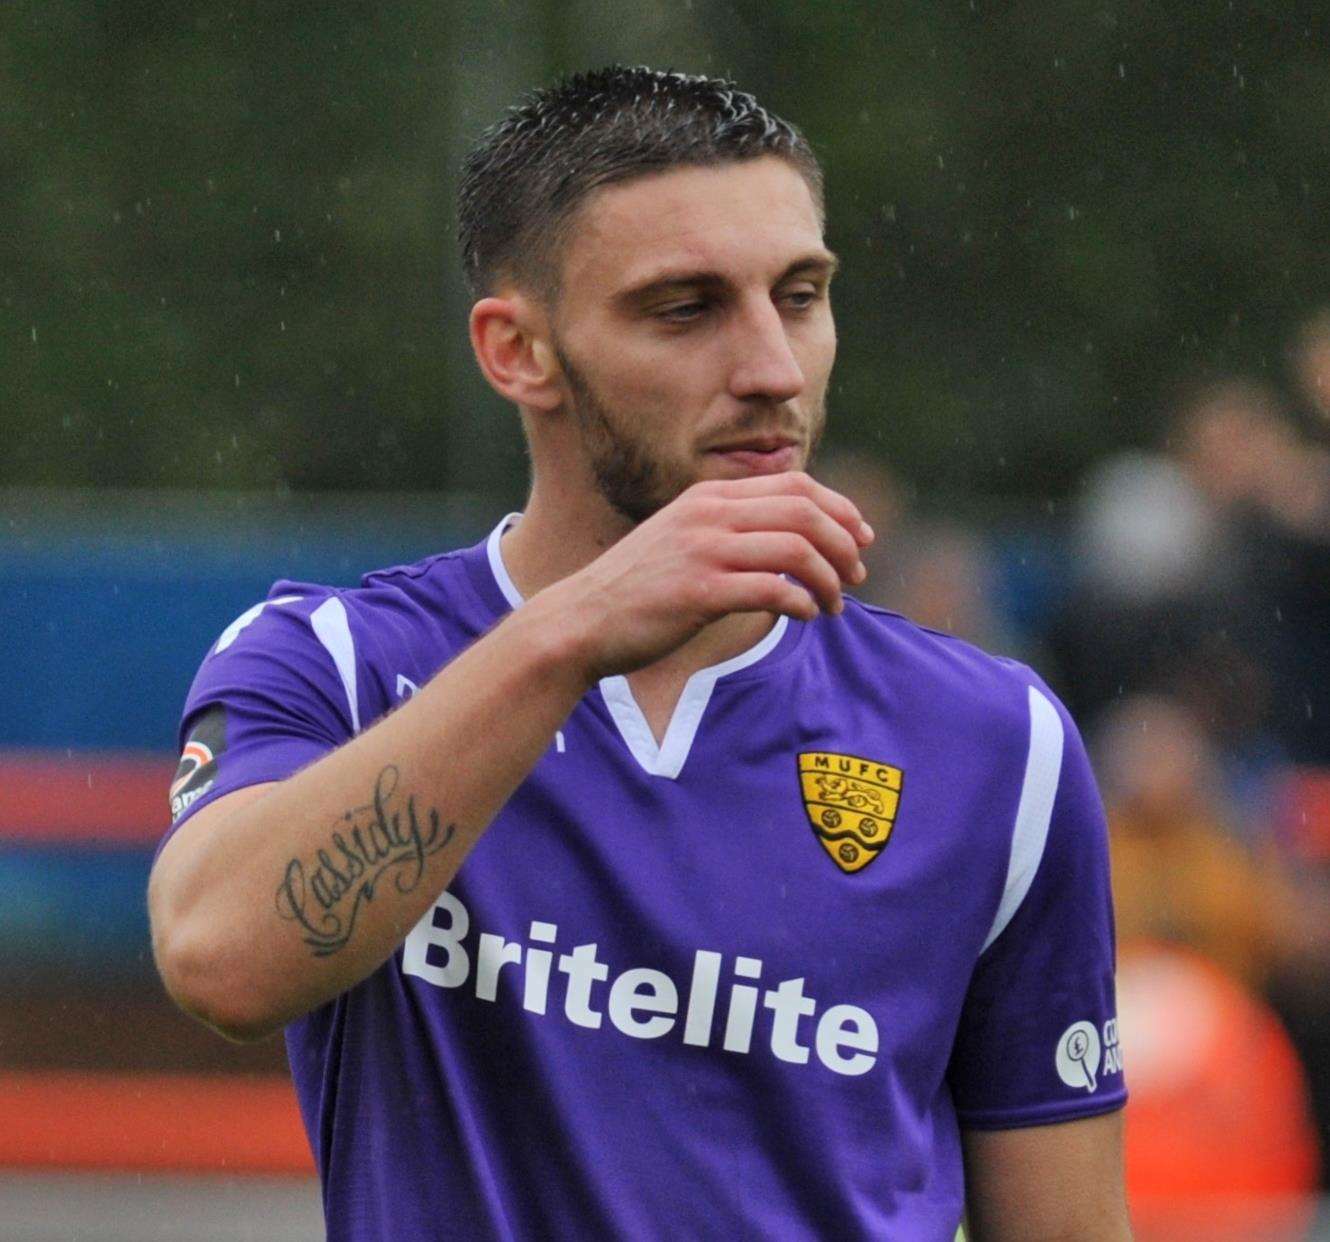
[(749, 981)]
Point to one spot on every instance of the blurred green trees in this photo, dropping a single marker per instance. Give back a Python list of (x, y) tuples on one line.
[(226, 254)]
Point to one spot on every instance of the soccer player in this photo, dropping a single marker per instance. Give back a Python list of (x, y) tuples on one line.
[(620, 877)]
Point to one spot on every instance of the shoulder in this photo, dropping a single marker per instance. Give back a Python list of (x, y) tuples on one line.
[(294, 610), (930, 674), (316, 631)]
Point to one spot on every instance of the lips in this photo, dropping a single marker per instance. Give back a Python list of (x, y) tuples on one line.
[(756, 444), (760, 455)]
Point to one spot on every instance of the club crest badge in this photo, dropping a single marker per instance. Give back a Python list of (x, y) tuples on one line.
[(851, 804)]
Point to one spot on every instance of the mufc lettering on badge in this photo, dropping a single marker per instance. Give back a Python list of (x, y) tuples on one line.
[(198, 761), (851, 804)]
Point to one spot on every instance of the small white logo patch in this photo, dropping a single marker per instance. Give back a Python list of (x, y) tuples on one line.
[(1077, 1058)]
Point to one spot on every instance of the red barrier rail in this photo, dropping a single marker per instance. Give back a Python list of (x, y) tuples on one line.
[(164, 1122), (96, 798)]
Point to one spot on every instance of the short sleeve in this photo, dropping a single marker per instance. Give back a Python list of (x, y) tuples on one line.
[(1038, 1036), (275, 692)]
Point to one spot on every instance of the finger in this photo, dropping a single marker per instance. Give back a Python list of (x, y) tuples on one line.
[(796, 483), (804, 517), (758, 592), (783, 552)]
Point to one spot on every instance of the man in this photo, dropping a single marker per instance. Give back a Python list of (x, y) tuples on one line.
[(618, 877)]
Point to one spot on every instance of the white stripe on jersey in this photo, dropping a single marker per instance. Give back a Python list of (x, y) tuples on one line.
[(334, 632), (1043, 768)]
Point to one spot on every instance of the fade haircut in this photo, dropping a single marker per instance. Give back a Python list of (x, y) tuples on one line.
[(525, 180)]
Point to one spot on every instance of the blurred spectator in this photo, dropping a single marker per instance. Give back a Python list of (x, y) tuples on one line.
[(1220, 1081), (1272, 489), (939, 574), (1311, 366), (882, 499), (942, 578), (1145, 534), (1193, 580), (1180, 870)]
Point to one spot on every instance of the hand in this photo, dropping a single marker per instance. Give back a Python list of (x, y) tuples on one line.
[(720, 547)]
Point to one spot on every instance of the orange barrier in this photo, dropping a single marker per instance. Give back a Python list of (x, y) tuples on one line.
[(1220, 1141), (113, 799), (159, 1122)]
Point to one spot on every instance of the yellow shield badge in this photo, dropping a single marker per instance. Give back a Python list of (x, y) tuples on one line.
[(851, 803)]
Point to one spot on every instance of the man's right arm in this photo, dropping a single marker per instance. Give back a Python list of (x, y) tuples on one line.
[(276, 898)]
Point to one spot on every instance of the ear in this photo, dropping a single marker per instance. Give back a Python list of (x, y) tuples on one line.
[(510, 340)]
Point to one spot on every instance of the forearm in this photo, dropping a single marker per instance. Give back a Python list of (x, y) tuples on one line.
[(1060, 1182), (300, 893)]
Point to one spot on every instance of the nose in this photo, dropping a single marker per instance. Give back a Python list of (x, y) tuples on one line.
[(764, 365)]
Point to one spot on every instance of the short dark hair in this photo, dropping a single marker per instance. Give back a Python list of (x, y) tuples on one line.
[(525, 179)]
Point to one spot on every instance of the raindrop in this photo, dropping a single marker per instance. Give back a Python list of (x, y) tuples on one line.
[(940, 163), (1122, 70), (34, 335), (277, 235)]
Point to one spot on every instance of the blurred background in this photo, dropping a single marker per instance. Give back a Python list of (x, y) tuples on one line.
[(1083, 392)]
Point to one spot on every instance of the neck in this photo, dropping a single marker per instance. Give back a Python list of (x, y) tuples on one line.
[(559, 534), (563, 531)]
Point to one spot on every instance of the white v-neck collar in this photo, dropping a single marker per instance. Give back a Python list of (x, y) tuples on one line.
[(498, 568), (667, 757)]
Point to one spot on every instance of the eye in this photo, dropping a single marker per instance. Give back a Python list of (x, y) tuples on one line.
[(801, 299), (682, 312)]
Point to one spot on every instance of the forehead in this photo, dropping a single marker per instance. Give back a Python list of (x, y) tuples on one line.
[(740, 221)]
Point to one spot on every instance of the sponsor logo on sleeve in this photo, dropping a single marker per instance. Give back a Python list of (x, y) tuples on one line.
[(851, 804), (197, 769), (1083, 1057)]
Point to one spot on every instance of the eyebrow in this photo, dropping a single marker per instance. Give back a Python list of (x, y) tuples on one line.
[(821, 263)]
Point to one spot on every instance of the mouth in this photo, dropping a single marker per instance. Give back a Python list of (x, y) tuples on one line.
[(759, 454)]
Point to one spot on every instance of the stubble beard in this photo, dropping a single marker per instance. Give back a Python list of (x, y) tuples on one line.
[(633, 481)]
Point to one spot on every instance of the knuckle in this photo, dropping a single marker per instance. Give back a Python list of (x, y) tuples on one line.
[(699, 592), (700, 507), (808, 512), (802, 482)]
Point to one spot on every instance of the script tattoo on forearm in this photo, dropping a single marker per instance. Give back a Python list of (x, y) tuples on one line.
[(325, 895)]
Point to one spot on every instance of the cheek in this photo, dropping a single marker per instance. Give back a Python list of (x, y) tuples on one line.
[(661, 389), (816, 354)]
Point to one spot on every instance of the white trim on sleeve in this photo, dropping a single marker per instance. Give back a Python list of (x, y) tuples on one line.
[(333, 629), (1043, 768)]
